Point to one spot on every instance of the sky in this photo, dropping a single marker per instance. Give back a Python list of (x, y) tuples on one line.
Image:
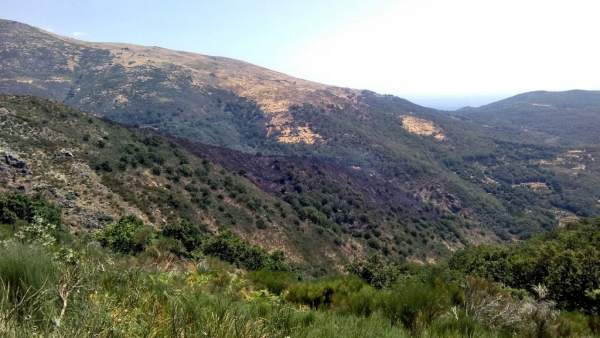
[(447, 53)]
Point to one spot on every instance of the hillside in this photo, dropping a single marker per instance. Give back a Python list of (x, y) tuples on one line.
[(155, 87), (130, 280), (570, 117), (374, 173), (98, 171)]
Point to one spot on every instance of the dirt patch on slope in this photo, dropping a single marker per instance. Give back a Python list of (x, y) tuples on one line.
[(422, 127)]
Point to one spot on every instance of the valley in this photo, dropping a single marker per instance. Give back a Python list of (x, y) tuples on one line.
[(451, 179)]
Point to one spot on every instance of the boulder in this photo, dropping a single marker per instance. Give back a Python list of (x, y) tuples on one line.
[(66, 153), (15, 162)]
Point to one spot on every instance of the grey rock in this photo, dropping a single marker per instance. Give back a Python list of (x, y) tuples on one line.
[(15, 162), (66, 153)]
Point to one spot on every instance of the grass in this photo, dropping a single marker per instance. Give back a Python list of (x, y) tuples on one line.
[(122, 296), (26, 276)]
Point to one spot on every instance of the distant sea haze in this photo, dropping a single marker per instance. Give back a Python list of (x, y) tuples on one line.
[(455, 102)]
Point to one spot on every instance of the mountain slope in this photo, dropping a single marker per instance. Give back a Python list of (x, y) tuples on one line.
[(137, 85), (571, 117), (98, 171), (374, 173)]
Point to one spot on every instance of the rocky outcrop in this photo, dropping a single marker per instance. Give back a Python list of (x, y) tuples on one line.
[(13, 161)]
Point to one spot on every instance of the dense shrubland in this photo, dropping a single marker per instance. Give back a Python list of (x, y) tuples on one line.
[(309, 205), (99, 171), (565, 262), (132, 280)]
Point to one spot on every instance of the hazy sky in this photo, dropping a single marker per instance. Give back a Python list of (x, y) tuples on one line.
[(412, 48)]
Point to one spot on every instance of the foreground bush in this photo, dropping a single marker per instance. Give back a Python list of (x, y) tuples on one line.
[(80, 289), (188, 234), (377, 272), (416, 304), (565, 261), (273, 281), (326, 293)]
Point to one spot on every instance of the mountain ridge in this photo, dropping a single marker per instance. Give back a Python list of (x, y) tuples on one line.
[(355, 166), (570, 96), (569, 117), (269, 89)]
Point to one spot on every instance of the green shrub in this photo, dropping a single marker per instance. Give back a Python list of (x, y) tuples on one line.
[(165, 245), (565, 261), (230, 248), (572, 324), (377, 271), (260, 224), (274, 281), (31, 219), (128, 235), (364, 302), (189, 234), (186, 170), (457, 324), (15, 207), (325, 293)]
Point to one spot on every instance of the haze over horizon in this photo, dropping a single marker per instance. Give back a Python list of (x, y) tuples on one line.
[(436, 53)]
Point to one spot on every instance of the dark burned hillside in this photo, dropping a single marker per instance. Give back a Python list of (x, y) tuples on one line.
[(352, 200), (99, 171)]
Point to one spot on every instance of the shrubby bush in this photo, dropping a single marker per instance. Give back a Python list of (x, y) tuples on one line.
[(412, 302), (565, 261), (377, 271), (230, 248), (189, 234), (130, 235), (416, 304), (331, 292), (31, 219), (127, 235), (15, 208), (44, 294), (274, 281)]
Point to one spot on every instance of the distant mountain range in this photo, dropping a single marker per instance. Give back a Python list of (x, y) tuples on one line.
[(327, 172), (571, 117), (455, 102)]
